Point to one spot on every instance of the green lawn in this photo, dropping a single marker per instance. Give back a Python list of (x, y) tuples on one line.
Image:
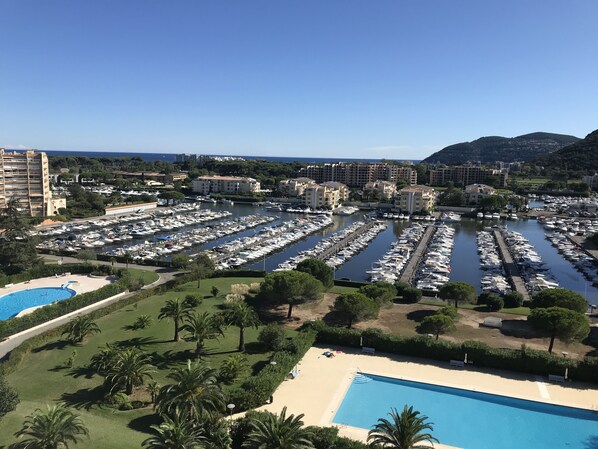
[(42, 379), (479, 308), (146, 276)]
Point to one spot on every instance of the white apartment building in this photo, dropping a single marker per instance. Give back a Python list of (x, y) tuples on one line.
[(386, 189), (322, 197), (343, 190), (475, 192), (25, 177), (205, 185), (416, 199)]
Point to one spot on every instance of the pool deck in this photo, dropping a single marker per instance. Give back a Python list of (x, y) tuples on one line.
[(319, 389), (84, 284)]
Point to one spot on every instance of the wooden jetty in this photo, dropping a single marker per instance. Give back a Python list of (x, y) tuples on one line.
[(344, 242), (413, 263), (511, 268)]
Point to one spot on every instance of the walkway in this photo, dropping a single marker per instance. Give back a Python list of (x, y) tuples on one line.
[(344, 242), (411, 268), (511, 268)]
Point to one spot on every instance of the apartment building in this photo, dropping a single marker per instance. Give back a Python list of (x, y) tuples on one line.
[(466, 175), (358, 174), (386, 189), (416, 199), (25, 177), (475, 192), (592, 180), (205, 185), (343, 190), (295, 187), (322, 197)]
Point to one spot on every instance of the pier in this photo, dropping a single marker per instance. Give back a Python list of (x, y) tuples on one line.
[(511, 268), (344, 242), (411, 268)]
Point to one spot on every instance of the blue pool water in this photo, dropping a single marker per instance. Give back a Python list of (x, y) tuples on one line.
[(468, 419), (16, 302)]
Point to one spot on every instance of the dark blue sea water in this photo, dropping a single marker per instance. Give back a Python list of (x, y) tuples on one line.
[(170, 157)]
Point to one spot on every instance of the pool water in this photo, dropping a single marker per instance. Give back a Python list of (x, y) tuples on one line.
[(13, 303), (470, 420)]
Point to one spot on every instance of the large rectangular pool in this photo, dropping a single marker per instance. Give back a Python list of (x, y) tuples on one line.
[(468, 419)]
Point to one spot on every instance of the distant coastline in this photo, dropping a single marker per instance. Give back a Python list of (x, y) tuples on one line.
[(170, 157)]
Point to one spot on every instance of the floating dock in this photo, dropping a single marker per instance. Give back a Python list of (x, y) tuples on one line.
[(344, 242), (414, 260), (511, 268)]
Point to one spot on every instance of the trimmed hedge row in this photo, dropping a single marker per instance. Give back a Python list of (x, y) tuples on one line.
[(349, 283), (256, 390), (42, 271), (521, 360), (239, 274)]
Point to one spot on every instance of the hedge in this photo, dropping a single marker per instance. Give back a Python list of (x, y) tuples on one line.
[(520, 360), (41, 271), (256, 390), (349, 283)]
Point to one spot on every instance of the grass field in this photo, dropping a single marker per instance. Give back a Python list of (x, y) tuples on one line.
[(42, 378), (146, 276)]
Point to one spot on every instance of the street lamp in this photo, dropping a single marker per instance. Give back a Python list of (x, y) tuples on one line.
[(230, 408)]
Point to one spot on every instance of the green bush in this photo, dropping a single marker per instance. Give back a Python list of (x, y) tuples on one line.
[(257, 390), (486, 297), (272, 337), (513, 299), (481, 355), (401, 286), (495, 303), (449, 311), (412, 294)]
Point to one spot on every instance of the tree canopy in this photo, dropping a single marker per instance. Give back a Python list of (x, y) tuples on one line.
[(558, 322), (436, 324), (458, 292), (319, 270), (290, 287), (560, 297), (355, 307)]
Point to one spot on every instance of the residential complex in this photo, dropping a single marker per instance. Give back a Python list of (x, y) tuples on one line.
[(358, 174), (295, 187), (416, 199), (592, 180), (24, 177), (225, 184), (322, 197), (475, 192), (386, 190), (466, 175)]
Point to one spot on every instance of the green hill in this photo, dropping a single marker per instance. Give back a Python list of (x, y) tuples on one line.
[(582, 156), (507, 149)]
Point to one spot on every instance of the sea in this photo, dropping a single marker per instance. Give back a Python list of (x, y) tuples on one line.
[(171, 157)]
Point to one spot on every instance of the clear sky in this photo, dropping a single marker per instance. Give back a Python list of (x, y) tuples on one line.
[(320, 78)]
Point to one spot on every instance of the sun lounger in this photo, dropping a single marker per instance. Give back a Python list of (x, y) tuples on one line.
[(367, 350), (9, 285), (294, 373), (556, 378), (458, 363)]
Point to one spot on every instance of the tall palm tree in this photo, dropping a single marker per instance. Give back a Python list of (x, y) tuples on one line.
[(201, 327), (175, 433), (241, 315), (217, 434), (175, 310), (278, 432), (195, 392), (56, 427), (130, 369), (79, 328), (404, 431)]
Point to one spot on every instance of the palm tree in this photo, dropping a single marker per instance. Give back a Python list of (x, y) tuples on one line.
[(278, 432), (130, 369), (175, 433), (153, 388), (79, 328), (102, 361), (195, 392), (404, 431), (242, 316), (232, 367), (217, 434), (201, 327), (175, 310), (54, 428)]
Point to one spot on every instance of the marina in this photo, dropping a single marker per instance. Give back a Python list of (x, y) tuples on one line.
[(391, 253)]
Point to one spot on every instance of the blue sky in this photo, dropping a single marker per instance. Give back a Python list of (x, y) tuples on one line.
[(319, 78)]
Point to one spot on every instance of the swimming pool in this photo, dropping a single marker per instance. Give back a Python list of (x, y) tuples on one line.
[(468, 419), (16, 302)]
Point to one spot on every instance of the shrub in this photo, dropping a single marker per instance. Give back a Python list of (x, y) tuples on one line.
[(495, 303), (484, 297), (412, 294), (513, 299), (192, 301), (401, 286), (272, 337), (449, 311), (380, 292)]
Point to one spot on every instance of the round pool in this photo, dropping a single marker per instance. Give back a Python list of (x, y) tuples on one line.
[(15, 302)]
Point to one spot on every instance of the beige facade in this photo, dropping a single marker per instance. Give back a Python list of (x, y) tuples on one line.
[(475, 192), (322, 197), (358, 174), (225, 184), (466, 175), (343, 190), (416, 199), (295, 187), (25, 178), (386, 189)]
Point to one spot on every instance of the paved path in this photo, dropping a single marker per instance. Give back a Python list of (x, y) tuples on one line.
[(13, 341), (411, 268), (344, 242), (511, 268)]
